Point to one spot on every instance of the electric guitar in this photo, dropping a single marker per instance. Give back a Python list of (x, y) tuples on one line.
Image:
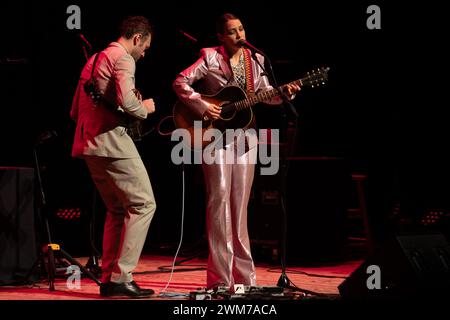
[(236, 107), (137, 128)]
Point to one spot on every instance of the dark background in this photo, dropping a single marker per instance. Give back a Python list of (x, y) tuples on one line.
[(380, 109)]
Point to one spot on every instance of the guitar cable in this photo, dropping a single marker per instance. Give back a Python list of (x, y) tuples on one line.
[(158, 127), (163, 292)]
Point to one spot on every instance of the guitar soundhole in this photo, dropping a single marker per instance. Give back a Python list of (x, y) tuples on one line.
[(227, 113)]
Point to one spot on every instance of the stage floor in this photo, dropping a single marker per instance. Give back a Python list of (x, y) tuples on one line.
[(154, 271)]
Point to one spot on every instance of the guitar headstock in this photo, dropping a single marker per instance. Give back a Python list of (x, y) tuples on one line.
[(316, 77)]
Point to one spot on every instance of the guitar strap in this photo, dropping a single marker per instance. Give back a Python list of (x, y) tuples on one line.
[(93, 65), (133, 126), (250, 83), (90, 86)]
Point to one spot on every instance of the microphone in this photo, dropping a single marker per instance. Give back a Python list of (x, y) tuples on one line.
[(45, 136), (85, 40), (187, 35), (245, 43)]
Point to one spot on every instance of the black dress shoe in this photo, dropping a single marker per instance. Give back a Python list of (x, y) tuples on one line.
[(143, 291), (125, 289)]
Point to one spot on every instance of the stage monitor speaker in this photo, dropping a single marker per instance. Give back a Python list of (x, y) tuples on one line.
[(17, 237), (317, 198), (406, 266)]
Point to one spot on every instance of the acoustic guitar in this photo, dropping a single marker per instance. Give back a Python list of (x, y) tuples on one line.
[(236, 107)]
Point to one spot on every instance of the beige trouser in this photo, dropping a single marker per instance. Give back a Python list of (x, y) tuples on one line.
[(228, 189), (125, 188)]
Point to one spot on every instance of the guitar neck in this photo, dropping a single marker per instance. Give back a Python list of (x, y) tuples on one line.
[(263, 96), (313, 79)]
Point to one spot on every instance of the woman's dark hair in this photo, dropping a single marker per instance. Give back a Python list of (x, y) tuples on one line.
[(135, 24), (222, 20)]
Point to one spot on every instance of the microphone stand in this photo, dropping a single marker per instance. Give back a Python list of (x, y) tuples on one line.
[(93, 262), (50, 250), (85, 52), (41, 206), (284, 280)]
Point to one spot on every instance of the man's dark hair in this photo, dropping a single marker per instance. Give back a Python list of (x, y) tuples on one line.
[(222, 20), (133, 25)]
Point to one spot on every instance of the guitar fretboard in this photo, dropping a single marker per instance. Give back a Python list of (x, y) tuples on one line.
[(266, 95), (312, 80), (263, 96)]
